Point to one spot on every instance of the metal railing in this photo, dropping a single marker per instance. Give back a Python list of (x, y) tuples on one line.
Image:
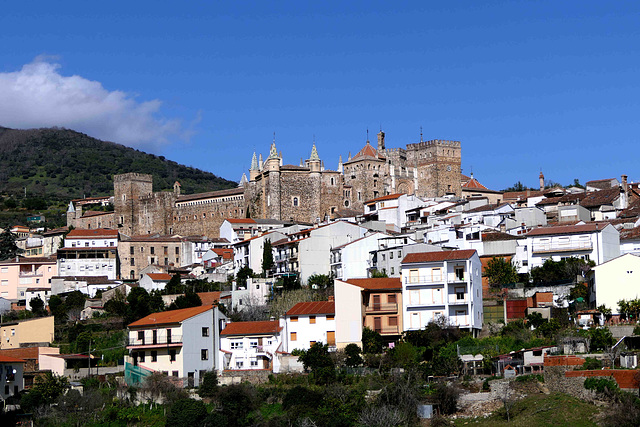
[(555, 247), (161, 340), (373, 308)]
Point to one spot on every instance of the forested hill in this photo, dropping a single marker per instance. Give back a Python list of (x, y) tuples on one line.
[(62, 164)]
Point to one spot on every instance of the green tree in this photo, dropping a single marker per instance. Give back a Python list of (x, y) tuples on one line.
[(601, 338), (57, 307), (37, 306), (499, 272), (208, 384), (267, 257), (372, 341), (187, 413), (243, 274), (174, 285), (375, 274), (352, 352), (319, 281), (518, 186), (138, 300), (8, 247), (189, 299), (318, 361)]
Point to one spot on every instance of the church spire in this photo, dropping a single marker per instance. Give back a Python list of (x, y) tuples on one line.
[(314, 153), (254, 163)]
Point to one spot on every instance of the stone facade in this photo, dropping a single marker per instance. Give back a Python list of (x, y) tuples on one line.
[(139, 252), (305, 193)]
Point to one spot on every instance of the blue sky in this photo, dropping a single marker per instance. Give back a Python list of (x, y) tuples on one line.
[(523, 85)]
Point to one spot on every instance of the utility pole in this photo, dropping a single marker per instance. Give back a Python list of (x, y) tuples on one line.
[(89, 368)]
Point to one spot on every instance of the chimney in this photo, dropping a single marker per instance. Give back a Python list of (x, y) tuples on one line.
[(625, 188), (541, 181)]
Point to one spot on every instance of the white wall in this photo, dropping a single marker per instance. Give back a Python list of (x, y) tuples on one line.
[(348, 304)]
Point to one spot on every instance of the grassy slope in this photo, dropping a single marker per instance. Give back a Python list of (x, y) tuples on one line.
[(556, 409)]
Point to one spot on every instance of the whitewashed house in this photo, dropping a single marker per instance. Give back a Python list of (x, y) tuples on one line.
[(92, 252), (11, 376), (351, 260), (154, 281), (615, 280), (182, 343), (250, 345), (307, 323), (442, 284)]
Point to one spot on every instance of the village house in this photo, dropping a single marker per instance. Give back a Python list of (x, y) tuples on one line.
[(26, 333), (307, 323), (11, 376), (250, 345)]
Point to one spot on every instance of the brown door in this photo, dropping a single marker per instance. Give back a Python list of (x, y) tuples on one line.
[(331, 338), (376, 302), (377, 324)]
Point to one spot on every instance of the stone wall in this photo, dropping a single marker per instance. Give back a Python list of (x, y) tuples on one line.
[(254, 376)]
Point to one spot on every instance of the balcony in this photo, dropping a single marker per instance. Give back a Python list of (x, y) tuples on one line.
[(555, 247), (453, 299), (172, 341), (388, 330), (436, 280), (382, 308)]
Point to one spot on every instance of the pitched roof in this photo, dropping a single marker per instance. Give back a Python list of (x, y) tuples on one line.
[(630, 234), (241, 220), (170, 317), (225, 253), (160, 276), (485, 208), (92, 233), (602, 197), (519, 195), (382, 198), (8, 359), (252, 328), (474, 183), (211, 194), (496, 236), (568, 229), (209, 298), (90, 280), (602, 183), (367, 152), (378, 283), (313, 307), (438, 256), (293, 168), (95, 213)]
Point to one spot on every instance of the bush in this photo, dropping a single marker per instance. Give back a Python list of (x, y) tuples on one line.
[(601, 385), (187, 413), (446, 397), (591, 363), (208, 384)]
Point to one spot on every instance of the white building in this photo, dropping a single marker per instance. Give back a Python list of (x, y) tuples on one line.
[(249, 252), (308, 323), (446, 283), (250, 345), (599, 242), (308, 252), (238, 229), (154, 281), (351, 260), (615, 280), (89, 253), (391, 209), (181, 343)]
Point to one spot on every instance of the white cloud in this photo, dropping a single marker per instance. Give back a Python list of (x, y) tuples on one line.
[(39, 96)]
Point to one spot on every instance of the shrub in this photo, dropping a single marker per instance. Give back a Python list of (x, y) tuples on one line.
[(592, 363), (208, 384), (187, 413)]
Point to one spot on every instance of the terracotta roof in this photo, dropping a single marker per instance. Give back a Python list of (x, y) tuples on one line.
[(602, 197), (377, 283), (155, 238), (91, 280), (473, 183), (241, 220), (630, 234), (382, 198), (568, 229), (367, 152), (438, 256), (21, 353), (160, 276), (314, 307), (92, 233), (209, 298), (252, 328), (7, 359), (30, 260), (170, 317), (485, 208), (521, 195), (496, 236), (602, 184), (225, 253), (632, 211), (211, 194)]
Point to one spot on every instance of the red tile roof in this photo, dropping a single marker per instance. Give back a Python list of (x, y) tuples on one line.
[(568, 229), (473, 183), (241, 221), (159, 276), (225, 253), (252, 328), (209, 298), (382, 198), (377, 283), (170, 317), (92, 233), (7, 359), (314, 307), (367, 152), (438, 256)]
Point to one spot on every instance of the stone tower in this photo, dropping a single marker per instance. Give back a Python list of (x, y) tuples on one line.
[(128, 189)]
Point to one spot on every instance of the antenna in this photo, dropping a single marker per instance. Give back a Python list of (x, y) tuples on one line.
[(367, 134), (421, 134), (274, 136)]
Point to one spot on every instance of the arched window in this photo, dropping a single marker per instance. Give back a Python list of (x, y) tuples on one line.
[(295, 201), (346, 203)]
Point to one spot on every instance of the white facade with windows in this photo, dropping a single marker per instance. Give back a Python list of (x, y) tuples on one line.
[(442, 284), (181, 343), (308, 323), (250, 345)]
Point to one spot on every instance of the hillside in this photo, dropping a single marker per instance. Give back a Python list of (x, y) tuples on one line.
[(62, 164)]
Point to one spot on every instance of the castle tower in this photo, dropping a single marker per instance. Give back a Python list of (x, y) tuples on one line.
[(340, 167), (380, 141), (541, 177), (176, 188), (272, 164), (273, 184), (128, 188), (254, 170), (260, 163), (315, 165), (73, 215)]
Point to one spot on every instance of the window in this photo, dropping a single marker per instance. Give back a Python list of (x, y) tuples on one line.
[(172, 358), (331, 317), (399, 254), (205, 332), (154, 356), (393, 321), (141, 354), (383, 257), (5, 283), (294, 318), (392, 299), (253, 344), (391, 255), (133, 261), (204, 354), (177, 251), (237, 345), (312, 319), (392, 270), (153, 250), (459, 293), (239, 364), (152, 260), (6, 269), (295, 201), (174, 373), (294, 336), (141, 336), (254, 362)]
